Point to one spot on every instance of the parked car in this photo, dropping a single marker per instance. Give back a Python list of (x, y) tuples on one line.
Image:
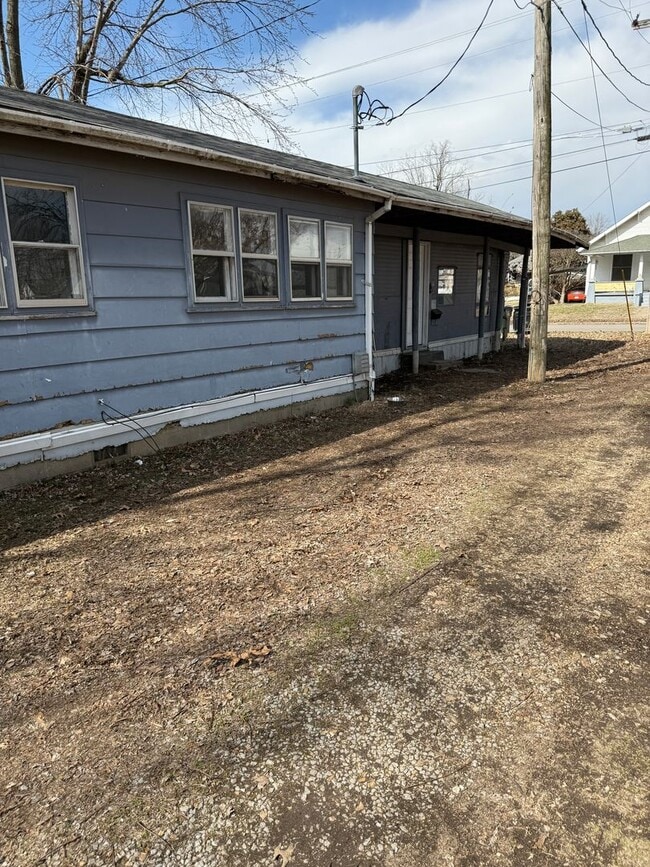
[(575, 296)]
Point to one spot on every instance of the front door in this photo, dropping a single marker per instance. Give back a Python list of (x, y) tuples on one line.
[(425, 272)]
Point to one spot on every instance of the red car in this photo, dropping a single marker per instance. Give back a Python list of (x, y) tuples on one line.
[(575, 296)]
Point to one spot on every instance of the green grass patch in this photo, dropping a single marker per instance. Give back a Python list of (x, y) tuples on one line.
[(595, 313)]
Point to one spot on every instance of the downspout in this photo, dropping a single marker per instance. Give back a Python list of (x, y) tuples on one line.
[(370, 291)]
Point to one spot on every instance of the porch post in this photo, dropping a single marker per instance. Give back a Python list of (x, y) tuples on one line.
[(483, 295), (523, 302), (500, 305), (415, 338)]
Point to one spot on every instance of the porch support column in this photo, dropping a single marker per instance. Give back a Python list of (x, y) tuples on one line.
[(523, 302), (500, 295), (415, 337), (639, 282), (591, 280), (483, 295)]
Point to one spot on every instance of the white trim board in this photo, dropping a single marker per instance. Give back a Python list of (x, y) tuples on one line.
[(79, 439)]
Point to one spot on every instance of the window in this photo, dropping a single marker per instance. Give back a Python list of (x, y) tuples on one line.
[(338, 261), (259, 254), (213, 252), (622, 267), (479, 279), (45, 246), (446, 282), (304, 252)]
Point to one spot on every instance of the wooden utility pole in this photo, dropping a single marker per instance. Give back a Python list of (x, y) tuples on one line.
[(541, 191)]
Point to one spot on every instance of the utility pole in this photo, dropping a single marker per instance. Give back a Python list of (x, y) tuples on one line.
[(639, 25), (356, 96), (541, 191)]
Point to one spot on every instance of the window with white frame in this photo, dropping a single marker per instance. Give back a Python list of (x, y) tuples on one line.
[(258, 235), (45, 245), (213, 252), (446, 283), (304, 252), (338, 261)]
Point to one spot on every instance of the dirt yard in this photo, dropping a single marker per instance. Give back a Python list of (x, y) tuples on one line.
[(408, 633)]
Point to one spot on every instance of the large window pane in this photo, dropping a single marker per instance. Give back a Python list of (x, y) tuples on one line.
[(211, 228), (258, 233), (213, 276), (338, 242), (622, 267), (37, 214), (304, 240), (260, 278), (305, 280), (46, 273), (339, 281)]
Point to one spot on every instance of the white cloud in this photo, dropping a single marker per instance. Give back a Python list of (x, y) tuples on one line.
[(486, 101)]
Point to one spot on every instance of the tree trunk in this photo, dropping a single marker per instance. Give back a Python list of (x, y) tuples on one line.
[(13, 43)]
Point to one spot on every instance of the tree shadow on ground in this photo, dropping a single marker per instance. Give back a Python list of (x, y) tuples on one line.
[(68, 502)]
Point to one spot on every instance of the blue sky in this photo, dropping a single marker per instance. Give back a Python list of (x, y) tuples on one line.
[(399, 50)]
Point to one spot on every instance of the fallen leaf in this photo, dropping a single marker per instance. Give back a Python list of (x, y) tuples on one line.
[(285, 855), (252, 656), (539, 843), (261, 780)]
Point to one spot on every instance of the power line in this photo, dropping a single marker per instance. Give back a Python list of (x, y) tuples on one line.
[(451, 68), (454, 105), (577, 36), (615, 181), (475, 172), (558, 171), (611, 50)]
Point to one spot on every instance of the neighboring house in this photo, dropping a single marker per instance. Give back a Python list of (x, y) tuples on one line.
[(162, 281), (615, 261)]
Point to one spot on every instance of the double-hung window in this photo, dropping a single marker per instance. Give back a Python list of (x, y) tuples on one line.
[(622, 267), (213, 252), (338, 261), (304, 251), (310, 270), (446, 283), (258, 235), (45, 245)]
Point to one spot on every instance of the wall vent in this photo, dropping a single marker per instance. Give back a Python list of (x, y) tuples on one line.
[(109, 453)]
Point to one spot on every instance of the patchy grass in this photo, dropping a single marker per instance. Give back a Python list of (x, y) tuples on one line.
[(595, 313), (489, 711)]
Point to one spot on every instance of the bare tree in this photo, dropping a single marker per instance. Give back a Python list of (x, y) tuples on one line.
[(221, 61), (434, 167)]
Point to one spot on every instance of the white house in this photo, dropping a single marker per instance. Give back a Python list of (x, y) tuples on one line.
[(616, 260)]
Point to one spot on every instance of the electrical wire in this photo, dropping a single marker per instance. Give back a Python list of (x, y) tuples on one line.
[(609, 177), (609, 47), (451, 68), (214, 47), (558, 171), (615, 181), (130, 422), (578, 37), (575, 111)]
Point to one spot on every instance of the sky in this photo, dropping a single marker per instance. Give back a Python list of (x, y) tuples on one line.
[(398, 50)]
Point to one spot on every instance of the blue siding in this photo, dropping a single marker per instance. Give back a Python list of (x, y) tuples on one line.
[(144, 347)]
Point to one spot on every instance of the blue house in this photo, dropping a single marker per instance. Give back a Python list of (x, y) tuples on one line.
[(161, 280)]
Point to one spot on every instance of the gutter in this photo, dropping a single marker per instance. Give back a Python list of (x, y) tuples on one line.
[(21, 122), (370, 291)]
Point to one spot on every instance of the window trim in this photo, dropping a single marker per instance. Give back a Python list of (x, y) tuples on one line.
[(74, 227), (339, 262), (217, 254), (252, 299)]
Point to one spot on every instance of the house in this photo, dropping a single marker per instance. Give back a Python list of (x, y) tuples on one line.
[(162, 282), (615, 260)]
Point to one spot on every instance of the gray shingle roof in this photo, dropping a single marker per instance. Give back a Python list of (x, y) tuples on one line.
[(637, 244), (171, 139)]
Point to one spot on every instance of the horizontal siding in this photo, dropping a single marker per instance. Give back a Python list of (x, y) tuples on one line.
[(144, 348)]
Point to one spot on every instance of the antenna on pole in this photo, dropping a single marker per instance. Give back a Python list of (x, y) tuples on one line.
[(356, 98)]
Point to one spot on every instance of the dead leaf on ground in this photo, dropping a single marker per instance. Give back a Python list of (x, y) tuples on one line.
[(283, 855), (253, 656)]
